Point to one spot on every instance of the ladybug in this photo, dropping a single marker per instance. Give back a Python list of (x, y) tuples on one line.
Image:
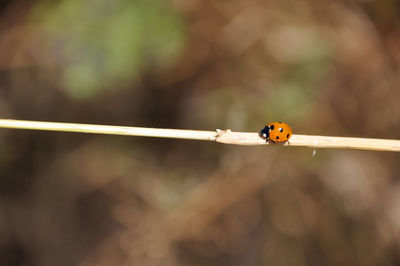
[(276, 132)]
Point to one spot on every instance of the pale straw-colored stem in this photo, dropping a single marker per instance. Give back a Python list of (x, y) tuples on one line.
[(222, 136), (110, 130)]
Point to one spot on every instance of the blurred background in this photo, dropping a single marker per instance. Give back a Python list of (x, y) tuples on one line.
[(324, 67)]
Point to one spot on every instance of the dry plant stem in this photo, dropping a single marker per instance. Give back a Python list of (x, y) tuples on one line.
[(222, 136), (248, 138), (110, 130)]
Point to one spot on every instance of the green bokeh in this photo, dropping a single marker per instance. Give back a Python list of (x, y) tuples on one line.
[(101, 44)]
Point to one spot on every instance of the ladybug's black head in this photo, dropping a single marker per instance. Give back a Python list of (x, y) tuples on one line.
[(264, 133)]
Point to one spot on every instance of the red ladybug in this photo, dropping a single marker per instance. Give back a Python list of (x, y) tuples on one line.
[(276, 132)]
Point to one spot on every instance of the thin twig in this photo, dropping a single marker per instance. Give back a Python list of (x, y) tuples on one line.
[(222, 136)]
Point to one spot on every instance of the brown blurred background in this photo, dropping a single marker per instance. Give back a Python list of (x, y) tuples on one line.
[(325, 67)]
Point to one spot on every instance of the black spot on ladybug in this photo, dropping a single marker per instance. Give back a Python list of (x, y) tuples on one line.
[(272, 127), (287, 136), (281, 129), (277, 137)]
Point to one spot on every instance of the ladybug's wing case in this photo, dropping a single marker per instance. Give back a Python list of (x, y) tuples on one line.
[(279, 132)]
